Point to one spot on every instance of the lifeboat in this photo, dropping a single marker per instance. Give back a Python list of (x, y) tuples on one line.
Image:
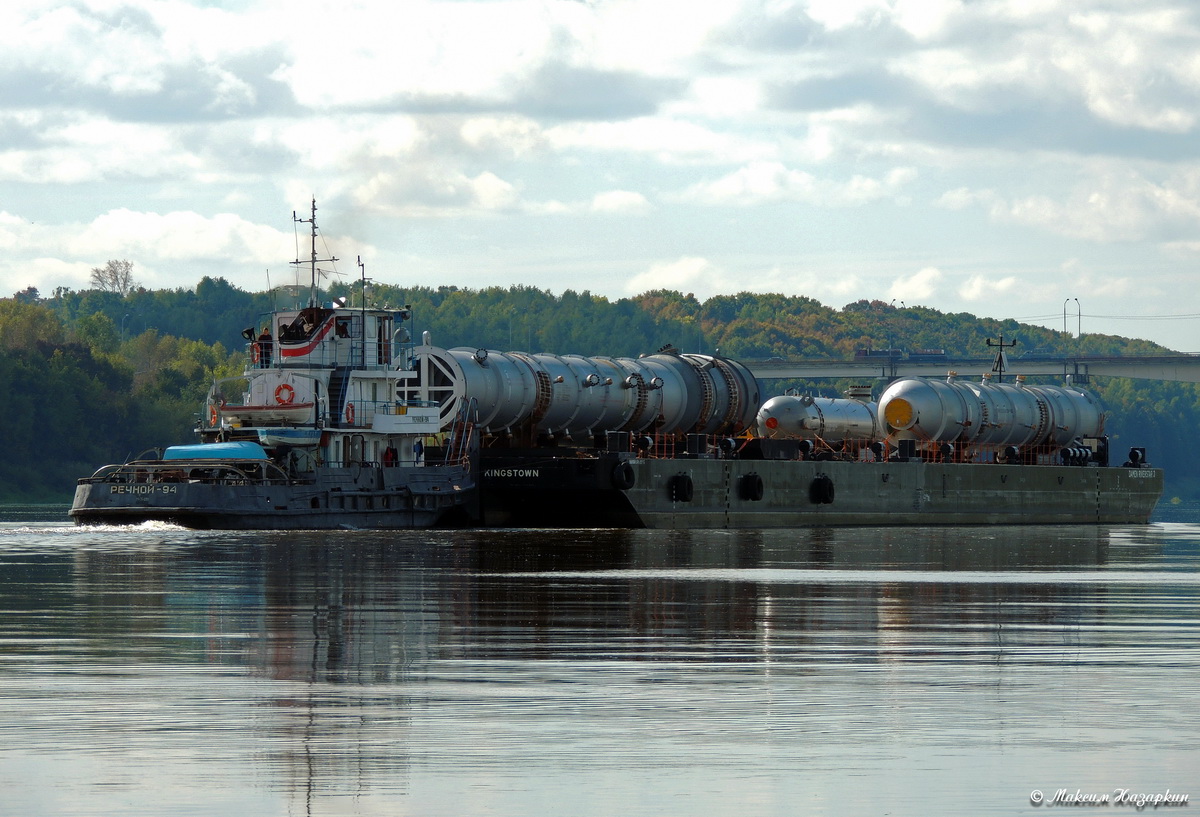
[(261, 414)]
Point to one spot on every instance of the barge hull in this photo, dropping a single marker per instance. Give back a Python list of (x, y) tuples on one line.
[(715, 493)]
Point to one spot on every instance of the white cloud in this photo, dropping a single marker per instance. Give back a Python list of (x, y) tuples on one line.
[(757, 183), (982, 288), (87, 149), (1107, 203), (125, 233), (771, 182), (1183, 249), (833, 289), (961, 198), (1112, 207), (365, 53), (669, 140), (620, 201), (1127, 64), (435, 192), (64, 254), (688, 274), (662, 37), (920, 287), (1095, 285), (509, 135), (706, 279), (722, 96), (1118, 59), (839, 14)]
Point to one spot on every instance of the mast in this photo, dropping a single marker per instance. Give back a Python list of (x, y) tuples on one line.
[(362, 270), (313, 260)]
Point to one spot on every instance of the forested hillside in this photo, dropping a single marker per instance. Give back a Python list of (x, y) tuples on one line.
[(94, 377)]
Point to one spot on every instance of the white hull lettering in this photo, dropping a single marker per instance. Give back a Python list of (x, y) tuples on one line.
[(511, 472), (143, 489)]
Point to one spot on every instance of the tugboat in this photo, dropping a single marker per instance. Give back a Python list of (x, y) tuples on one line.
[(325, 429)]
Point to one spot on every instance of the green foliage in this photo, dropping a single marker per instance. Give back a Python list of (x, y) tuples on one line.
[(98, 332), (528, 319), (215, 311), (66, 410), (80, 399)]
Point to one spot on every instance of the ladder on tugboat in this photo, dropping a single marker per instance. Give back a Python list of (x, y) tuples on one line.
[(337, 392)]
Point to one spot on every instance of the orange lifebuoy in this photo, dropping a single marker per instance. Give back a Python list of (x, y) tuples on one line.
[(255, 353), (212, 416), (350, 413), (284, 394)]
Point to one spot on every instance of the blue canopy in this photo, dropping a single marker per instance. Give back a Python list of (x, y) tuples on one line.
[(216, 451)]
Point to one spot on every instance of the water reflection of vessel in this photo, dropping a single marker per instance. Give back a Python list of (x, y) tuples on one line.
[(340, 420)]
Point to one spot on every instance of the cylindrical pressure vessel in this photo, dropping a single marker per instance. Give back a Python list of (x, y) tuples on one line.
[(987, 413), (572, 394), (808, 418)]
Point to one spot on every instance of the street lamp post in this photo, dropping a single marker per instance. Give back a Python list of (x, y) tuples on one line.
[(1078, 316)]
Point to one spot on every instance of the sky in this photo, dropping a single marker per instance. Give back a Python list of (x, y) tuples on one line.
[(1025, 159)]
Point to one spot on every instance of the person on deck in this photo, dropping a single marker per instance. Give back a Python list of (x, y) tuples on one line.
[(265, 347)]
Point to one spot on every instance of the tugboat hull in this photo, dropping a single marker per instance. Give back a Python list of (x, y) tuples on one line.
[(401, 498)]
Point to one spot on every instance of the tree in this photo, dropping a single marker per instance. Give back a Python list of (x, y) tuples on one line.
[(98, 332), (29, 295), (115, 276)]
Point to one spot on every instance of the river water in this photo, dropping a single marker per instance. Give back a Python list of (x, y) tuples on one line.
[(153, 670)]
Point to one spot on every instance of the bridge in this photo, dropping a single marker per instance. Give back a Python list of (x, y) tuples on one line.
[(1179, 367)]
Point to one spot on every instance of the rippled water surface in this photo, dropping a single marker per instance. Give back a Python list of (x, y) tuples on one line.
[(153, 670)]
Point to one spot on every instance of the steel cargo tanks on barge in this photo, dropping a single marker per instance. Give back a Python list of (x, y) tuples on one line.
[(665, 442), (546, 399)]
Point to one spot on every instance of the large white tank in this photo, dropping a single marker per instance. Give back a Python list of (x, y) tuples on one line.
[(801, 417), (572, 394), (987, 413)]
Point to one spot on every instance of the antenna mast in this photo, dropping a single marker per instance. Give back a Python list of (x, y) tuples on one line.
[(362, 271), (313, 261)]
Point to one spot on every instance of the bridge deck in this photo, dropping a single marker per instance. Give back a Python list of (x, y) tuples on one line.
[(1181, 368)]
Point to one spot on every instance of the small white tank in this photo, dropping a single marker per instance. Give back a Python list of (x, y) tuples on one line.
[(801, 417)]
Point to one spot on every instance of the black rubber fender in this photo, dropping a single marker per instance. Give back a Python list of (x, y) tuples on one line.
[(821, 491), (751, 487), (623, 476), (681, 488)]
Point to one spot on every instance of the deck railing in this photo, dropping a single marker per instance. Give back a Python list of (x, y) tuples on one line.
[(208, 472), (671, 446)]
